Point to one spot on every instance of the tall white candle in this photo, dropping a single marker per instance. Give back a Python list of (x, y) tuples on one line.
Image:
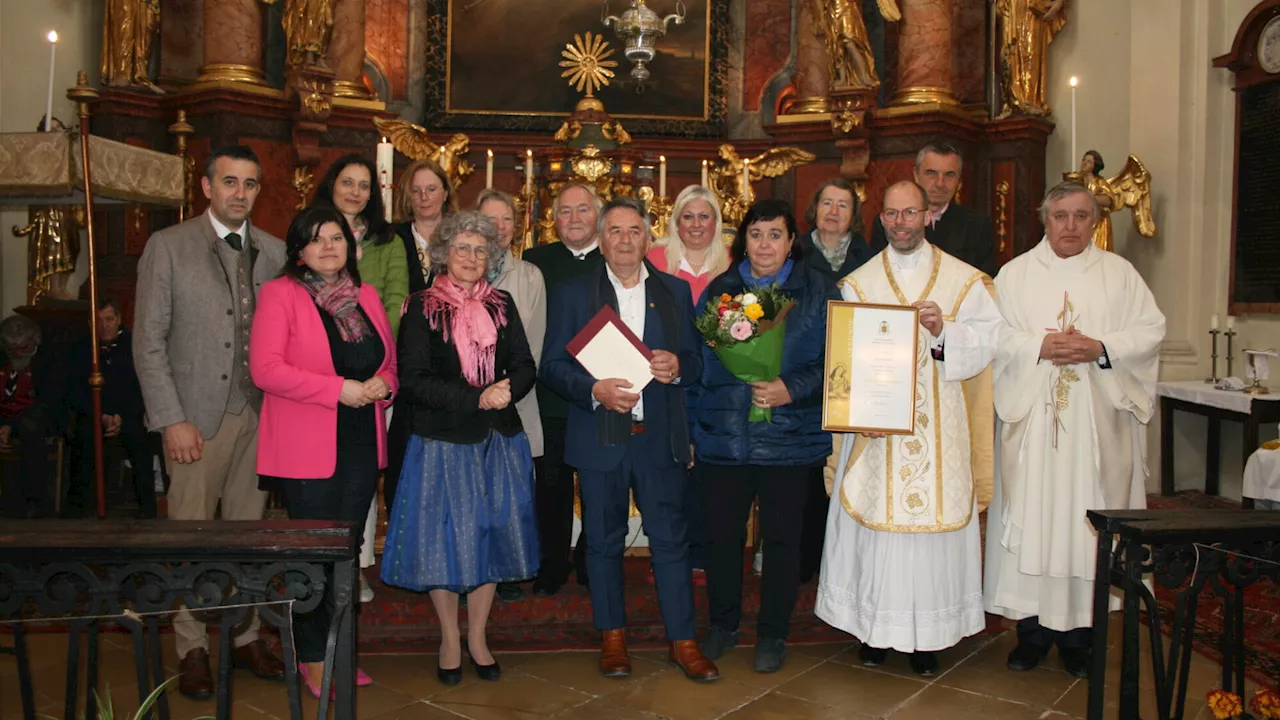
[(1231, 322), (1213, 322), (386, 166), (488, 170), (746, 181), (662, 175), (528, 170), (705, 168), (48, 102), (1074, 157)]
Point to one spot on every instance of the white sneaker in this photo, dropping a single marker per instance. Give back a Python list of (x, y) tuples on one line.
[(757, 562), (366, 592)]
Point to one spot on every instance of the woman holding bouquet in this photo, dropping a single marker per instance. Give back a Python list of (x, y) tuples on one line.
[(742, 454)]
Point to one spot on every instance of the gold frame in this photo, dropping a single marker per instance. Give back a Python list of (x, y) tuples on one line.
[(706, 80), (834, 309)]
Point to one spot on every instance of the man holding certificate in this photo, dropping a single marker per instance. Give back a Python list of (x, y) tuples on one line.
[(902, 563), (621, 347)]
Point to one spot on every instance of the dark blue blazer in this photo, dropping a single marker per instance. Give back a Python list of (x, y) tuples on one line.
[(570, 310)]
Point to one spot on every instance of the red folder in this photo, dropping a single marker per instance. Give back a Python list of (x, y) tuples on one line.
[(606, 316)]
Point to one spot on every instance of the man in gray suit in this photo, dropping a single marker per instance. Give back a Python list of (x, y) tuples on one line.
[(197, 284)]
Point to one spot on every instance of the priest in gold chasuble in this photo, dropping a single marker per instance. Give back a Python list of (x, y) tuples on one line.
[(902, 565)]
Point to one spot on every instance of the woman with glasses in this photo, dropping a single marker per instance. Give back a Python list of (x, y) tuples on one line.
[(743, 460), (463, 518)]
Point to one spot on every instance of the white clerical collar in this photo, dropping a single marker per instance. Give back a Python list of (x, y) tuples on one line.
[(617, 284), (1074, 263), (912, 260), (580, 254), (222, 231)]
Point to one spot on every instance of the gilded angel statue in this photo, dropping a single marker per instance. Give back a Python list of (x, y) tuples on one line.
[(840, 25), (413, 141), (129, 28), (1129, 189), (727, 182)]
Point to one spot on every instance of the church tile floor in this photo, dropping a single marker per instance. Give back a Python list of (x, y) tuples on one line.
[(819, 682)]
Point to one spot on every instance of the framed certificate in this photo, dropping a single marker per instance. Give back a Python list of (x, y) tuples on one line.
[(870, 371)]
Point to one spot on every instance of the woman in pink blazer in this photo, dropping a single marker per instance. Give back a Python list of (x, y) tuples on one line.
[(322, 351)]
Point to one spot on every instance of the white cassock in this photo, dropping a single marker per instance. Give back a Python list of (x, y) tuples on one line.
[(1041, 549), (901, 567)]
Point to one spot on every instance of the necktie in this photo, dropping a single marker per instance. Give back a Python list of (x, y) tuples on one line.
[(233, 239)]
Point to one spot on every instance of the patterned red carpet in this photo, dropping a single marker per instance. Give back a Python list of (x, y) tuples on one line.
[(1261, 603)]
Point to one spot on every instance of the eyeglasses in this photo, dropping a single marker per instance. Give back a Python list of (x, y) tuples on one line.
[(479, 252), (891, 215)]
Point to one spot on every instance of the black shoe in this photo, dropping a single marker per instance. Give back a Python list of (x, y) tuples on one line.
[(770, 654), (510, 592), (872, 656), (924, 663), (1026, 656), (583, 579), (1077, 661), (545, 587), (717, 642), (449, 677), (487, 672)]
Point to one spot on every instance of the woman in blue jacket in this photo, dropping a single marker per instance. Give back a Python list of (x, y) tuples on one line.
[(744, 460)]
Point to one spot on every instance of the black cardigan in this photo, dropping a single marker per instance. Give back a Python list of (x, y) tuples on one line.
[(441, 403), (417, 280)]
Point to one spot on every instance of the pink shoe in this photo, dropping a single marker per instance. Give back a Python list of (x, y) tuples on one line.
[(362, 678), (315, 689)]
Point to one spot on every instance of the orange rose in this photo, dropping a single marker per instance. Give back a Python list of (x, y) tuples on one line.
[(1267, 704)]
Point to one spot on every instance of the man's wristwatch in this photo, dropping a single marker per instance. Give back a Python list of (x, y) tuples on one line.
[(1104, 362)]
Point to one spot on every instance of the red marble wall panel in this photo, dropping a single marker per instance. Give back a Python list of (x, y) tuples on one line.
[(386, 38), (767, 46), (181, 40), (880, 175), (808, 178), (969, 50), (274, 208)]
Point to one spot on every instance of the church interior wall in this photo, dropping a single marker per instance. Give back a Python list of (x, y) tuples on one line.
[(1148, 87)]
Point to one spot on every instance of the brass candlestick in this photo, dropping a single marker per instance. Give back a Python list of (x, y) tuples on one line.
[(1229, 334), (1213, 355)]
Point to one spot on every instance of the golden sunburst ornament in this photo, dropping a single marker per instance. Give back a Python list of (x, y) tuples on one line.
[(587, 62)]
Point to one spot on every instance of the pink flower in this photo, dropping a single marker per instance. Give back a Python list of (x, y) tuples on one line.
[(741, 330)]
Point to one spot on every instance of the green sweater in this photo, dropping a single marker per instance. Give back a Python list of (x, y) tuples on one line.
[(385, 268)]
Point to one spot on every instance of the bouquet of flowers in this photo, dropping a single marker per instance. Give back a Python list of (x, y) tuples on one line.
[(746, 332)]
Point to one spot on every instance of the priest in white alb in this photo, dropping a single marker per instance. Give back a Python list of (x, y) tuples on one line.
[(1075, 386), (901, 567)]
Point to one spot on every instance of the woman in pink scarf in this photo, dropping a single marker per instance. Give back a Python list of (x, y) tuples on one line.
[(463, 518)]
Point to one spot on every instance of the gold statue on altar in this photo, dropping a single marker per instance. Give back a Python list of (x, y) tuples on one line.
[(1131, 188), (128, 29), (415, 142), (308, 27), (729, 176), (53, 245), (852, 64), (1027, 28)]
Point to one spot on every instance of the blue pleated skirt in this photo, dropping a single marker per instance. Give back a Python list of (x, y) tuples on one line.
[(463, 515)]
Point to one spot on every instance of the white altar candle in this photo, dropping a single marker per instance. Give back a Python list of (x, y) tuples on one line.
[(1213, 322), (705, 183), (488, 170), (746, 181), (1231, 323), (528, 170), (386, 166), (1074, 157), (48, 102), (662, 175)]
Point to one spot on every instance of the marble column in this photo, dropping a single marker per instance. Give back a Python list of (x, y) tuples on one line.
[(812, 74), (232, 42), (346, 49), (924, 53)]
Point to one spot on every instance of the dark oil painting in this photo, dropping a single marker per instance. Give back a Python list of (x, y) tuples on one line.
[(504, 58)]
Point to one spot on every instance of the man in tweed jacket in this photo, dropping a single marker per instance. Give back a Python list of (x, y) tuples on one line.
[(197, 283)]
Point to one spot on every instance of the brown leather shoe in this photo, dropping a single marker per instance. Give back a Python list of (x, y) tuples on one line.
[(689, 658), (614, 662), (257, 659), (195, 680)]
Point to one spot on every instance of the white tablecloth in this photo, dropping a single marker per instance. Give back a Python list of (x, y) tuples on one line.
[(1202, 393), (1262, 474)]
